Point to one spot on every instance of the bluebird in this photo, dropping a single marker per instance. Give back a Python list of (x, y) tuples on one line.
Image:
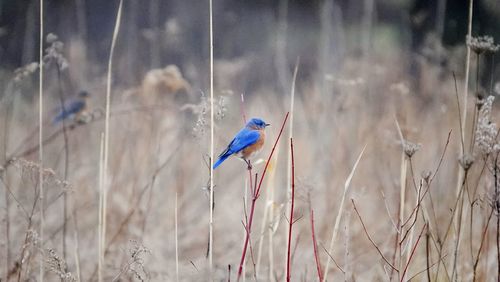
[(247, 142), (73, 109)]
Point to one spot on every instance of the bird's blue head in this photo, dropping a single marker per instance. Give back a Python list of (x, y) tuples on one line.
[(257, 123), (83, 94)]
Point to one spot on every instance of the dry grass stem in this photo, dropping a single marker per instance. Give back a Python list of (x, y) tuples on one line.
[(40, 140), (340, 212)]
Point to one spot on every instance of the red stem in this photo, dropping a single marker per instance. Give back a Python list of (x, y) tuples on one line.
[(254, 199), (315, 247), (291, 215)]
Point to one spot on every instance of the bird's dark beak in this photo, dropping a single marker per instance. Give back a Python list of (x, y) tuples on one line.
[(267, 124)]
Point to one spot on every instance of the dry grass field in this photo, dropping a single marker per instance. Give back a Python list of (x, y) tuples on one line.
[(395, 172)]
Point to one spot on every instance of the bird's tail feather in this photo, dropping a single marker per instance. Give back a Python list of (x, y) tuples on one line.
[(58, 118), (220, 160)]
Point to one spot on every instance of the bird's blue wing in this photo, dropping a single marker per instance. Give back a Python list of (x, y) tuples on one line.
[(243, 139), (69, 109), (75, 107)]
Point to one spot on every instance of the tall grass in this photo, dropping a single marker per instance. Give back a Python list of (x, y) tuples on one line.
[(212, 126), (461, 171), (105, 164)]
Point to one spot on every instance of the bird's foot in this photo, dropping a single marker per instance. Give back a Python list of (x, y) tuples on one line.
[(249, 164)]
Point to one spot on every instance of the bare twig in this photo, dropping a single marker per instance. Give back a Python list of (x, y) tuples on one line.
[(412, 252), (426, 269), (483, 237), (334, 261), (369, 238)]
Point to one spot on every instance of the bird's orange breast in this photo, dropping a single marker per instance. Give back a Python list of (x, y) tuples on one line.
[(255, 147)]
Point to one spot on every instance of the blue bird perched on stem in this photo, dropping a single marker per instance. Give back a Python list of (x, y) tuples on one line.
[(247, 142), (73, 109)]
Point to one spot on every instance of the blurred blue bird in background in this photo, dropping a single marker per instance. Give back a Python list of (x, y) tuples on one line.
[(247, 142), (73, 109)]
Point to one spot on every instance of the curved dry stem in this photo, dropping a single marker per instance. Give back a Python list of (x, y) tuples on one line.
[(340, 211)]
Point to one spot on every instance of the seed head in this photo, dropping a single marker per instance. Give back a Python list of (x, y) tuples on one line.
[(23, 72), (486, 132), (466, 161), (426, 175), (410, 148), (482, 44), (54, 53)]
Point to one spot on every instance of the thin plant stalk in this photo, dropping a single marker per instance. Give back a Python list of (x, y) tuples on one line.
[(290, 136), (268, 213), (475, 112), (467, 69), (271, 231), (427, 255), (498, 244), (484, 233), (290, 220), (263, 230), (412, 227), (245, 202), (464, 120), (100, 221), (176, 240), (370, 239), (315, 248), (271, 250), (412, 253), (106, 131), (335, 230), (77, 247), (6, 129), (247, 183), (66, 161), (458, 237), (496, 206), (40, 143), (211, 215), (7, 229), (402, 193), (448, 229), (290, 129)]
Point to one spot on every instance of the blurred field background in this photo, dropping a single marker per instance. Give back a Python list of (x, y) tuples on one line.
[(370, 73)]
